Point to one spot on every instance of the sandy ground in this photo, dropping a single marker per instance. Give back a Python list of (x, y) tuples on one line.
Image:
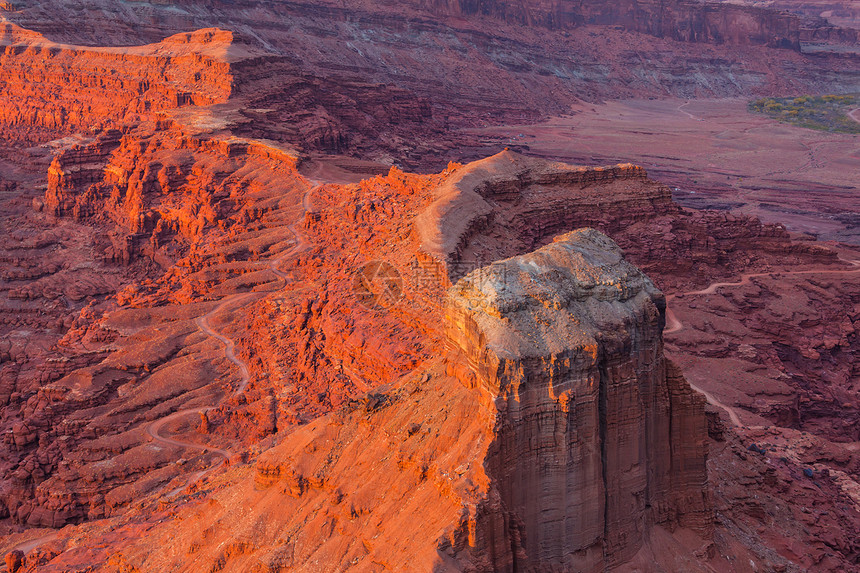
[(716, 154)]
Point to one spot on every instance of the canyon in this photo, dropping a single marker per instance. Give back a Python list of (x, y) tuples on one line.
[(387, 82), (306, 286), (715, 155)]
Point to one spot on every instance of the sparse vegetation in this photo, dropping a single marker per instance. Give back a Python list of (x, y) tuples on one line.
[(824, 113)]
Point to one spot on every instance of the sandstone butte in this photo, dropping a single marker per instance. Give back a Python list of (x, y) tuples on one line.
[(193, 376)]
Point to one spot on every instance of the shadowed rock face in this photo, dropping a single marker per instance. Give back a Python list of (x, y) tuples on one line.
[(510, 204), (678, 20), (597, 437)]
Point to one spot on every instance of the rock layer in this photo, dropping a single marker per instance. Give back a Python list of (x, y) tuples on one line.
[(597, 438), (461, 228), (59, 88), (511, 204), (312, 348), (679, 20)]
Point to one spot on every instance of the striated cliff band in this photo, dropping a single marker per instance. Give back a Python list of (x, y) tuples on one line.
[(597, 438)]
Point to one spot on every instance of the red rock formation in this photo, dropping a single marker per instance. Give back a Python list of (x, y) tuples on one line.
[(160, 189), (509, 204), (593, 444), (312, 348), (135, 395), (433, 452), (149, 194), (58, 88), (465, 206), (14, 561)]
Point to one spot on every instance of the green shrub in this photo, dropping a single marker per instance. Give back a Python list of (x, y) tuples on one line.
[(825, 112)]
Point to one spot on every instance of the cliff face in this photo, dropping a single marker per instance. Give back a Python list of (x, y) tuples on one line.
[(330, 114), (210, 209), (677, 20), (701, 22), (533, 425), (399, 435), (596, 437), (46, 87), (51, 89), (387, 79), (510, 204), (159, 189), (163, 197), (683, 20)]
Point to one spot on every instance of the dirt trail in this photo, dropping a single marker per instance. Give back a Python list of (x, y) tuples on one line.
[(745, 279), (27, 546), (687, 113), (674, 325), (853, 114), (713, 401), (155, 428), (672, 322)]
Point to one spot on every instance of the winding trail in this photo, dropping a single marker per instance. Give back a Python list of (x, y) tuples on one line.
[(674, 325), (714, 401), (154, 429), (687, 113), (27, 546), (853, 114)]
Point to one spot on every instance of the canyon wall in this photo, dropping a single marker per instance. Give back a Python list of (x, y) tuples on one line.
[(548, 198), (454, 431), (682, 20), (690, 21), (387, 80), (331, 114), (538, 415), (596, 438), (158, 187), (153, 202), (209, 209), (510, 204), (46, 87)]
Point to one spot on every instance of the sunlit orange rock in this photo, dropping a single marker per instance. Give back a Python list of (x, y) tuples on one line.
[(59, 88)]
